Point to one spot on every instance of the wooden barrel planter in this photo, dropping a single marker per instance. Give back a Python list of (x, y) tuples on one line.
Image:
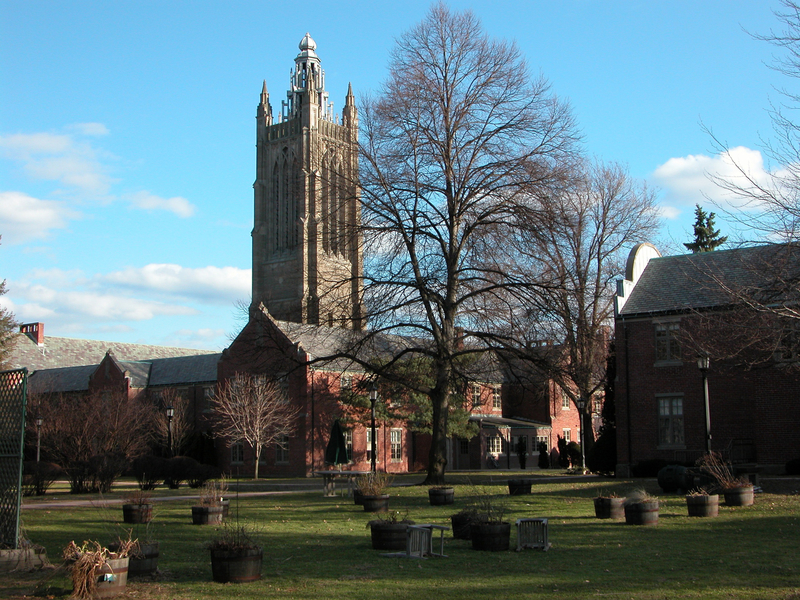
[(703, 506), (375, 503), (494, 537), (609, 508), (236, 566), (207, 515), (642, 513), (739, 496), (113, 578), (518, 487), (137, 513), (388, 536), (461, 522), (441, 496), (143, 558)]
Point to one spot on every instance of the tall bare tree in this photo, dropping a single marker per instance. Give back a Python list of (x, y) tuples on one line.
[(181, 422), (459, 134), (253, 409), (573, 244)]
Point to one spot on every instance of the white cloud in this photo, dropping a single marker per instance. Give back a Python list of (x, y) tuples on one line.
[(61, 158), (147, 201), (225, 284), (689, 180), (25, 218), (95, 129)]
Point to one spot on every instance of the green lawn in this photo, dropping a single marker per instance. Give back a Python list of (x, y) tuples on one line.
[(316, 547)]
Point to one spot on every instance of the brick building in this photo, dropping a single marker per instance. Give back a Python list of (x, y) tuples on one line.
[(306, 305), (671, 309)]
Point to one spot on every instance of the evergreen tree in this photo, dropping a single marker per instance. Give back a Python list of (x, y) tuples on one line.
[(706, 238)]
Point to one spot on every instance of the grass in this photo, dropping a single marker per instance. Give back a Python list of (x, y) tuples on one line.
[(316, 547)]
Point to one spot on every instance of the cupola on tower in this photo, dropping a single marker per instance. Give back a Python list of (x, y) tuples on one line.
[(307, 250)]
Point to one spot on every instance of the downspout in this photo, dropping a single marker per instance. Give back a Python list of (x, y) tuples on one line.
[(627, 394)]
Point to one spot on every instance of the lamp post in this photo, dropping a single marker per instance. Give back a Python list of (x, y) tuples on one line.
[(38, 422), (703, 363), (581, 404), (170, 414), (373, 396)]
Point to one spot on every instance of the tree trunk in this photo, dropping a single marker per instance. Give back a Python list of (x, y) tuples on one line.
[(437, 457), (258, 460)]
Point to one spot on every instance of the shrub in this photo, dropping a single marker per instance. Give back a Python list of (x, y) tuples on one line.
[(178, 470), (574, 453), (544, 456), (37, 477), (602, 456), (648, 468), (106, 469), (563, 453), (793, 466), (149, 471), (200, 474)]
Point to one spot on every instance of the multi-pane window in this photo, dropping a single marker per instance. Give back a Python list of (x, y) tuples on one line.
[(396, 444), (496, 401), (237, 452), (541, 439), (348, 442), (369, 445), (567, 435), (520, 443), (282, 450), (463, 446), (667, 347), (670, 421), (564, 400), (494, 444), (476, 395)]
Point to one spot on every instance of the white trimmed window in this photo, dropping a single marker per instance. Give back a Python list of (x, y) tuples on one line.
[(496, 400), (348, 442), (476, 395), (567, 435), (345, 384), (565, 401), (494, 444), (396, 444)]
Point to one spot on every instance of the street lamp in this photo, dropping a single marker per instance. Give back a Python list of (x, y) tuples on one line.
[(38, 422), (170, 414), (581, 403), (373, 396), (703, 363)]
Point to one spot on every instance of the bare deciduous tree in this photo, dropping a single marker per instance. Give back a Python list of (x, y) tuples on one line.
[(573, 244), (182, 426), (95, 436), (458, 135), (253, 409)]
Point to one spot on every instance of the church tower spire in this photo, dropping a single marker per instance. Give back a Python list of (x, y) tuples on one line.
[(307, 247)]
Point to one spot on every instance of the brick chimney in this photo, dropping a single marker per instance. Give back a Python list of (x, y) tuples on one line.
[(35, 331)]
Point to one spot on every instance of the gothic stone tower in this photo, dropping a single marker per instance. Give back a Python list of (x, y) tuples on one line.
[(307, 251)]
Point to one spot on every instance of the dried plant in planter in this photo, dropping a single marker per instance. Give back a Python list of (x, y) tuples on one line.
[(234, 538), (138, 498), (638, 496), (86, 564), (713, 465), (374, 484), (391, 517), (213, 492)]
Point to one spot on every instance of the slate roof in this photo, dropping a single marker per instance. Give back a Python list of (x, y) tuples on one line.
[(65, 379), (675, 284), (60, 352)]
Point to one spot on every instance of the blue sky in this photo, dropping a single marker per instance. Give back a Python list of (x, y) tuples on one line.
[(127, 132)]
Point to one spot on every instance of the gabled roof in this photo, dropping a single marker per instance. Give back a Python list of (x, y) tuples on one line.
[(65, 379), (60, 352), (675, 284)]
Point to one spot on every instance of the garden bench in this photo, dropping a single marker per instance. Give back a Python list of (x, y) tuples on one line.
[(419, 542)]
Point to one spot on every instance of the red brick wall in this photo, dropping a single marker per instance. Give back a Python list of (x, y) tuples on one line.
[(759, 404)]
